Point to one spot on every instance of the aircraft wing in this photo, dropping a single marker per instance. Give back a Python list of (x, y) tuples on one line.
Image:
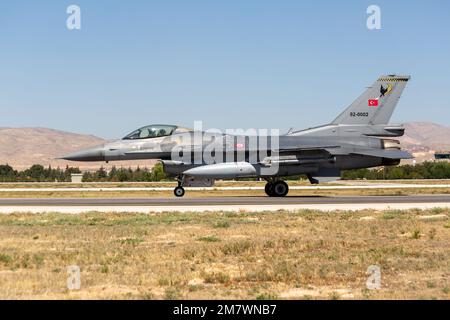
[(309, 148), (339, 150)]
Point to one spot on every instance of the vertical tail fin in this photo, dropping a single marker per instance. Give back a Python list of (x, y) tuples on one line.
[(376, 104)]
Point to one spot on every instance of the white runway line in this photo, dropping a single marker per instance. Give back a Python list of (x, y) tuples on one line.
[(375, 186), (216, 208)]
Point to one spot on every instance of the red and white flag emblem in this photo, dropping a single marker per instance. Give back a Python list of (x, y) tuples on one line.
[(373, 102)]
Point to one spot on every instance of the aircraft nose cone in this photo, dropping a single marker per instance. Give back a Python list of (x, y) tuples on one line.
[(92, 154)]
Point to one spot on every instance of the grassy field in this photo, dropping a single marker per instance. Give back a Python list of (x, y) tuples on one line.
[(270, 255)]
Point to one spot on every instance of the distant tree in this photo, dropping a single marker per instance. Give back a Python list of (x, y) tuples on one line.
[(6, 170), (112, 176), (87, 177), (123, 175), (35, 173), (426, 170), (7, 173), (158, 173), (101, 173)]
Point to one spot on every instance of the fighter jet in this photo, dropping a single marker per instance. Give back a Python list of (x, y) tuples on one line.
[(360, 137)]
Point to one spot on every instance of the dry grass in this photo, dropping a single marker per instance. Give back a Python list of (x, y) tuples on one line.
[(271, 255)]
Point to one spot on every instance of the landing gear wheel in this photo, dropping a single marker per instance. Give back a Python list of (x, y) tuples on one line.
[(179, 191), (280, 189), (269, 189)]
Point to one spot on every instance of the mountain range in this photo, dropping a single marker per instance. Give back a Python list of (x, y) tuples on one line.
[(23, 147)]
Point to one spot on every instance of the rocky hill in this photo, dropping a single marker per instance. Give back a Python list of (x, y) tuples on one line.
[(23, 147), (424, 138)]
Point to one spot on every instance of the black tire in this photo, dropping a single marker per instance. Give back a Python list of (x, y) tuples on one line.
[(269, 189), (178, 191), (280, 189)]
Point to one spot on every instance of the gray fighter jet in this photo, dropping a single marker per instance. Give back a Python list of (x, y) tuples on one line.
[(360, 137)]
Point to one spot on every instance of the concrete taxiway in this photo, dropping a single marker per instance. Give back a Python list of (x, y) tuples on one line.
[(255, 204), (234, 188)]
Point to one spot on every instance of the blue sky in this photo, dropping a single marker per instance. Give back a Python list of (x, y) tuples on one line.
[(231, 64)]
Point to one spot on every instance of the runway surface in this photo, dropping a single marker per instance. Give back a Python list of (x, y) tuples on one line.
[(208, 201), (78, 205), (234, 188)]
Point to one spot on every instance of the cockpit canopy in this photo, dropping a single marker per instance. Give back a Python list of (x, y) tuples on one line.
[(154, 131)]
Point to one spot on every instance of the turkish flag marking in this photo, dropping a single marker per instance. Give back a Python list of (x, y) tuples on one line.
[(373, 103)]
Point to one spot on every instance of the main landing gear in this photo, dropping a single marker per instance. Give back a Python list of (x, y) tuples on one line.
[(277, 188)]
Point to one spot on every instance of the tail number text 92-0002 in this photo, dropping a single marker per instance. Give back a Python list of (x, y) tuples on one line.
[(359, 114)]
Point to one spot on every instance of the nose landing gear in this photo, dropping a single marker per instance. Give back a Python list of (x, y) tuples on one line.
[(277, 188), (179, 191)]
